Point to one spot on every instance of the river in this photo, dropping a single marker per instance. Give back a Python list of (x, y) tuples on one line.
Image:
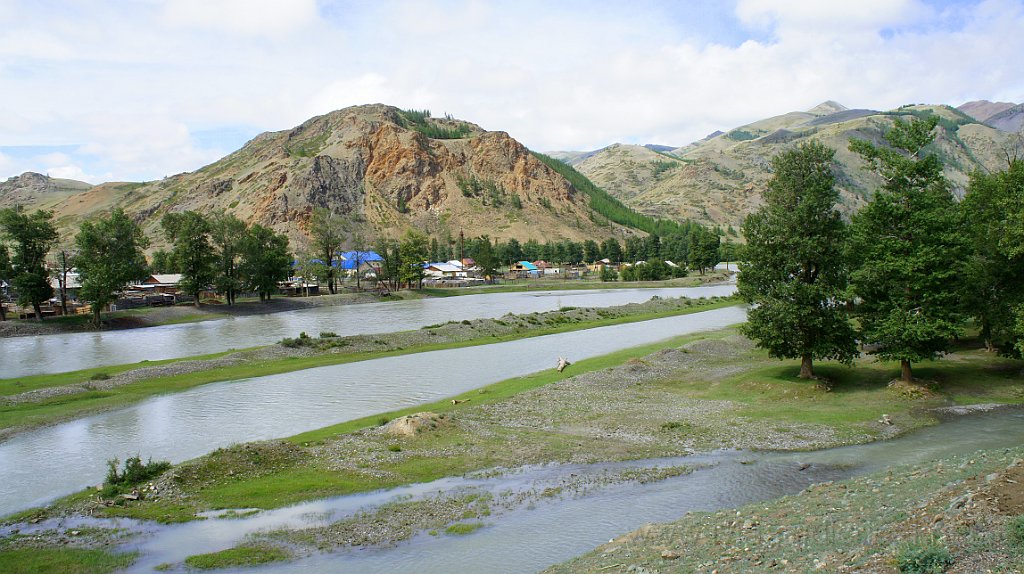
[(40, 465), (23, 356)]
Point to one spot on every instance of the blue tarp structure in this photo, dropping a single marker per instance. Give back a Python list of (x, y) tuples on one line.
[(349, 259)]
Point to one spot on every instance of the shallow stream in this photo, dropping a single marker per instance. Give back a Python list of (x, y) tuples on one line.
[(544, 530)]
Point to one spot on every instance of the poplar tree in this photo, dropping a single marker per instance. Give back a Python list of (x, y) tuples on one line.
[(109, 258), (795, 271), (226, 234), (326, 234), (189, 234), (909, 249), (265, 260), (33, 236)]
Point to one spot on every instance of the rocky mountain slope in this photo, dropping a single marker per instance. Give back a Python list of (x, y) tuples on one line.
[(37, 190), (720, 179), (383, 169)]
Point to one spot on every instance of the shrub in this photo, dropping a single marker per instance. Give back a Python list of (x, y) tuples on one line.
[(135, 472), (328, 334), (1016, 530), (395, 447), (923, 558), (99, 377)]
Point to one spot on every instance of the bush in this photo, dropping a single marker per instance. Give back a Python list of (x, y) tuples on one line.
[(328, 334), (99, 377), (923, 558), (135, 472)]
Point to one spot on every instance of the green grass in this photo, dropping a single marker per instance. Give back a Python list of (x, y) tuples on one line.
[(463, 528), (238, 557), (55, 409), (62, 561)]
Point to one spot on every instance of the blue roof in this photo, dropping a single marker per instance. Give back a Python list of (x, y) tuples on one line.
[(528, 266), (349, 258)]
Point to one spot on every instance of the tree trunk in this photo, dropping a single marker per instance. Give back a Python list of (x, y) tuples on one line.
[(3, 311), (96, 314), (905, 373), (806, 367), (39, 312), (196, 294)]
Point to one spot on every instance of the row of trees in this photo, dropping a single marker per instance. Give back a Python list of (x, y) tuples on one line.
[(222, 252), (219, 251), (699, 248), (912, 267)]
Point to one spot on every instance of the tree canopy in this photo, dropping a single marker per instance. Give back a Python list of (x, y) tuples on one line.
[(189, 233), (109, 257), (32, 237), (909, 250), (795, 271)]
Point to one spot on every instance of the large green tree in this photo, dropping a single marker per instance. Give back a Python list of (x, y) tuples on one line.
[(189, 234), (993, 219), (795, 272), (265, 260), (110, 256), (909, 249), (326, 233), (33, 236), (226, 234)]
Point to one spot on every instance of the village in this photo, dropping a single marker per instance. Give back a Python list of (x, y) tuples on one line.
[(358, 272)]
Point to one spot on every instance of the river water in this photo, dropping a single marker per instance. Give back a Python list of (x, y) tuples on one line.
[(40, 465), (22, 356), (549, 530)]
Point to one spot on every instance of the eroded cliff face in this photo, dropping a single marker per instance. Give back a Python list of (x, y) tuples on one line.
[(372, 166)]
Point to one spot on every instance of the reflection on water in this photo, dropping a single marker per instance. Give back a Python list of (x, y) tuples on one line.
[(40, 465), (21, 356)]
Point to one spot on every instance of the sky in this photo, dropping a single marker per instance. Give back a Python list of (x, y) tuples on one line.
[(119, 90)]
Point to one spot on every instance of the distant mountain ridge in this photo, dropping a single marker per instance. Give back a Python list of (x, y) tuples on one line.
[(382, 169), (720, 179)]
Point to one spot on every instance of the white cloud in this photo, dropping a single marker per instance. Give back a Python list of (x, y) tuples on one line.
[(242, 17), (139, 79)]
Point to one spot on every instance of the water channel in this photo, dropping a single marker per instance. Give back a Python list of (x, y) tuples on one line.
[(39, 465), (548, 530), (22, 356)]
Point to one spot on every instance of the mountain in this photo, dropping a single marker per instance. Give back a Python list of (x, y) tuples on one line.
[(1008, 120), (382, 169), (720, 179), (38, 191), (981, 110)]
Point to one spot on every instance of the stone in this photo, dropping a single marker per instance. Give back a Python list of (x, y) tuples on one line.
[(669, 555)]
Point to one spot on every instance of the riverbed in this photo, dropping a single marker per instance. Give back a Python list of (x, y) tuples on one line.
[(544, 530)]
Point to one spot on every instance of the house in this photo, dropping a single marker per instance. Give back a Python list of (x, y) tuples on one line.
[(72, 287), (524, 269), (599, 266), (443, 270), (298, 287), (546, 268), (161, 283)]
